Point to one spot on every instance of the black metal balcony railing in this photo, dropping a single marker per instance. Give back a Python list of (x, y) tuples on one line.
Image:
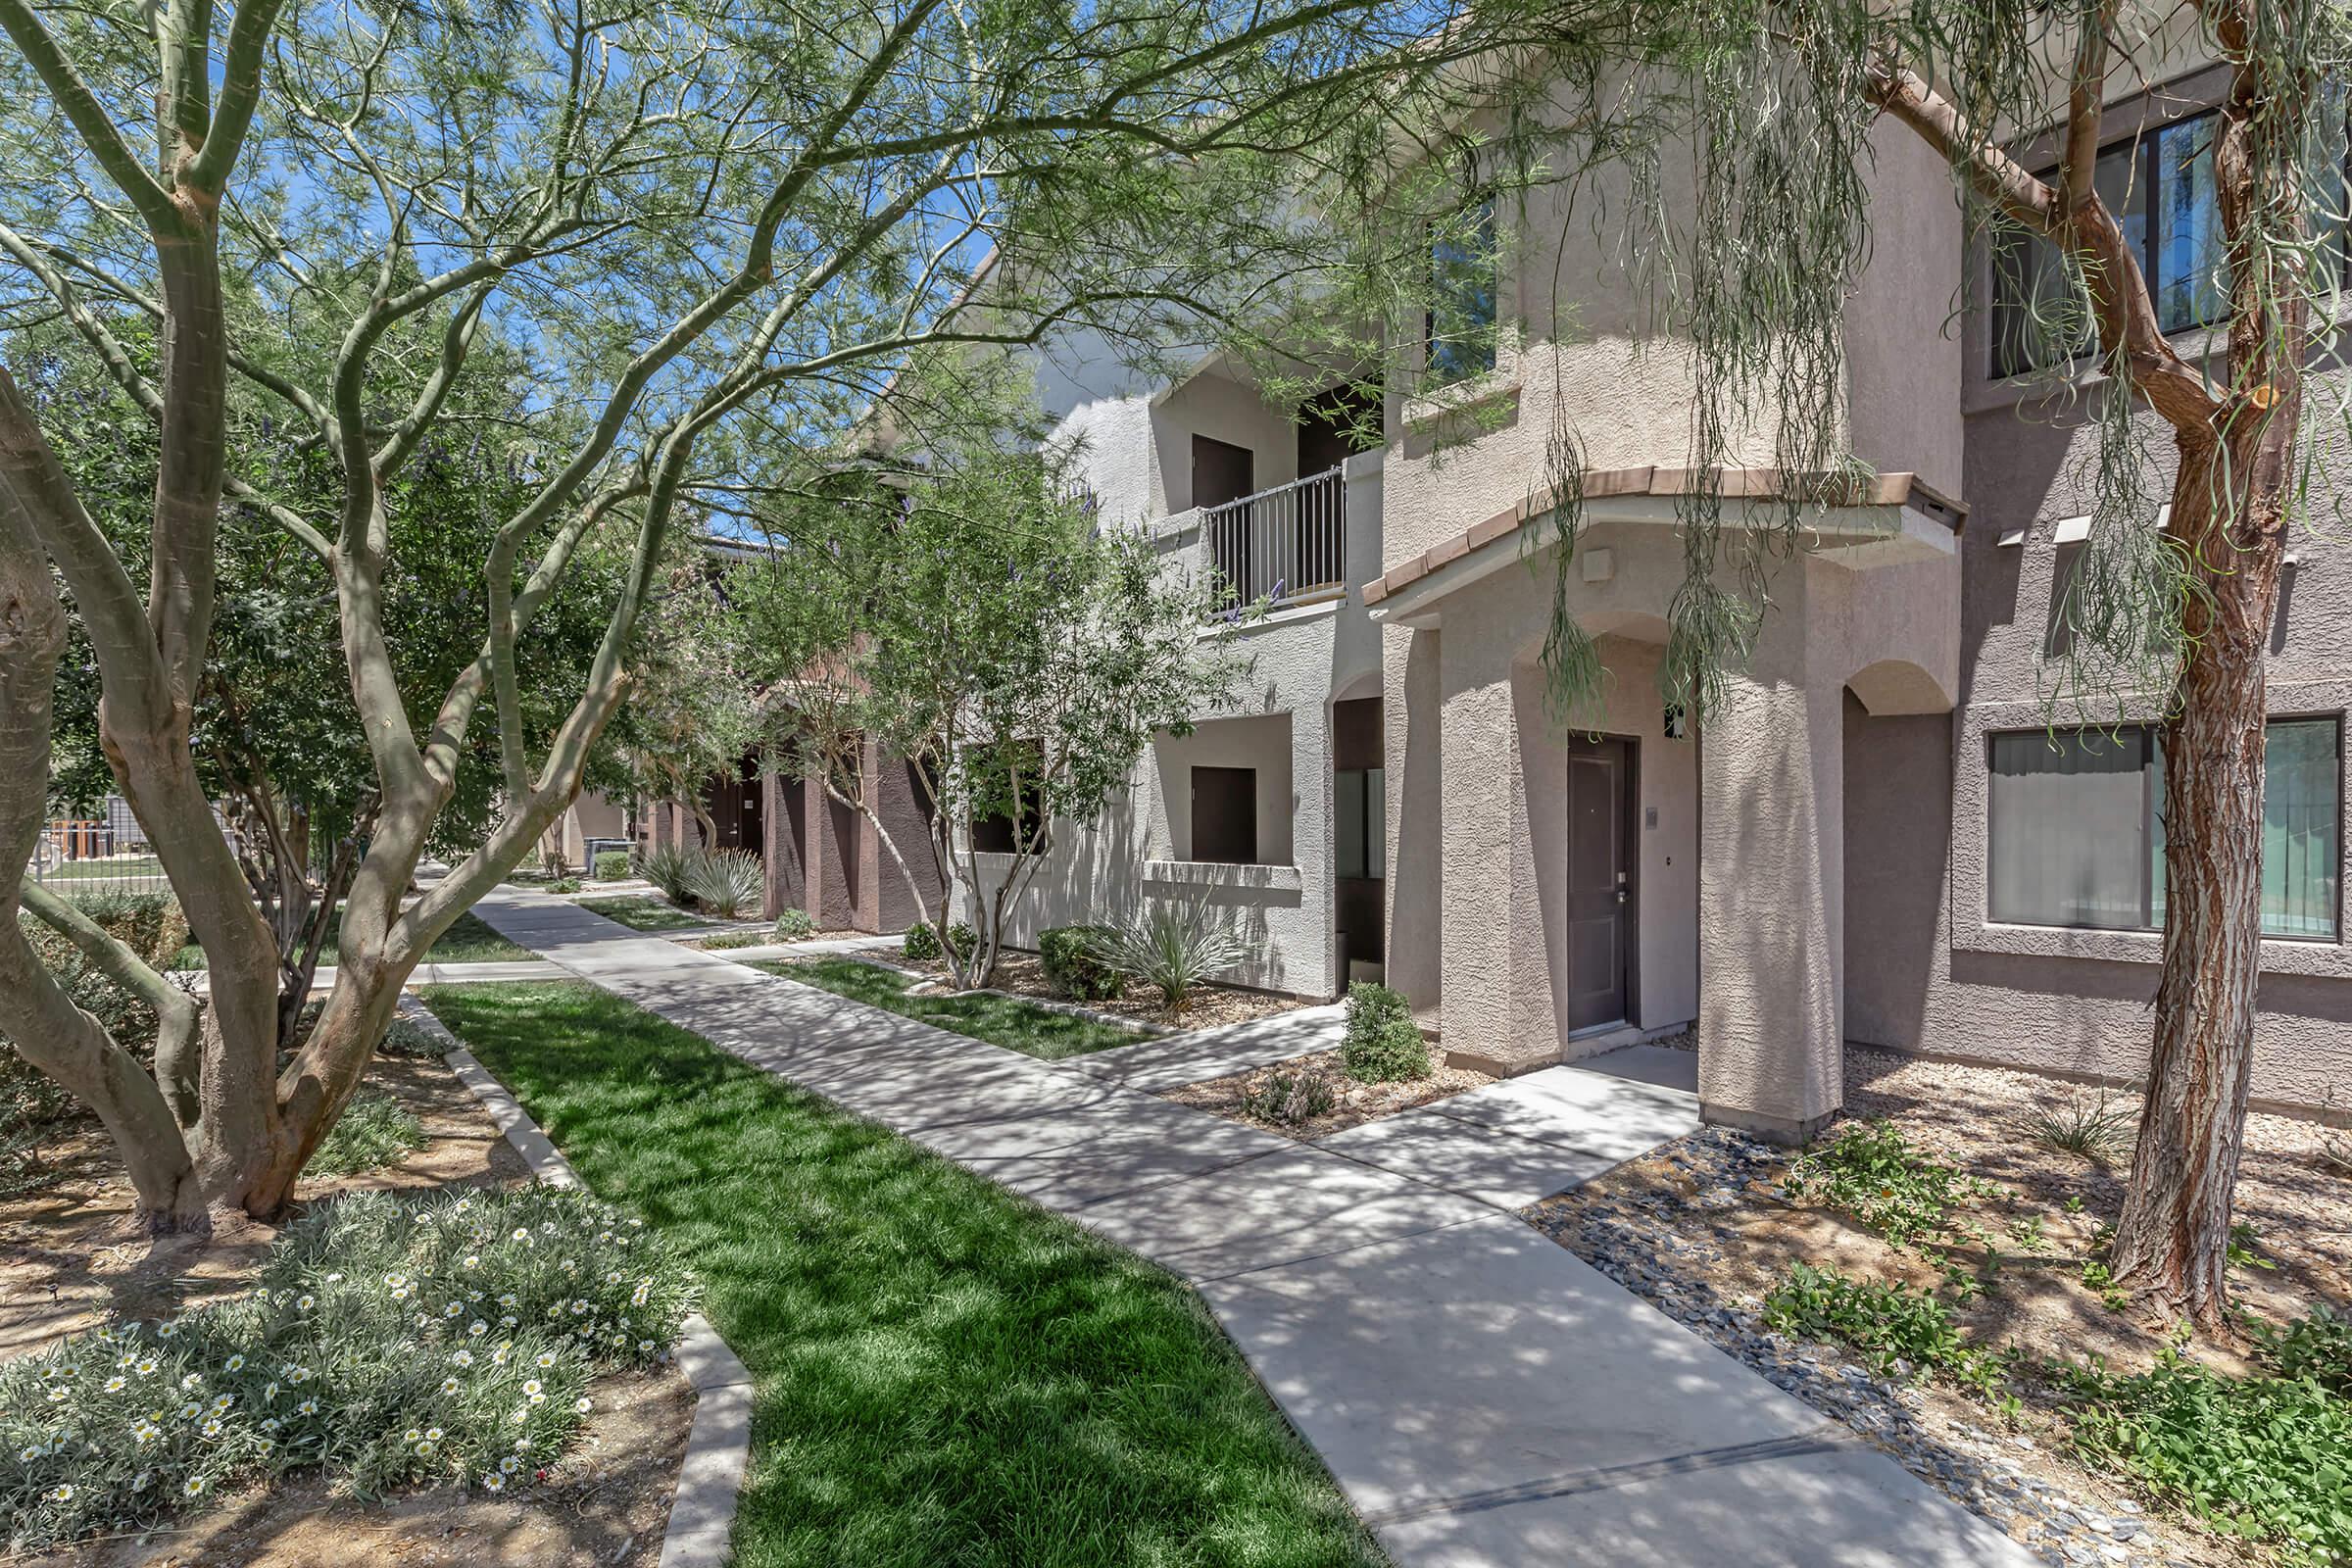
[(1280, 542)]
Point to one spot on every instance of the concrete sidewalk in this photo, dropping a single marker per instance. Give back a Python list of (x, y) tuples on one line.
[(1482, 1396)]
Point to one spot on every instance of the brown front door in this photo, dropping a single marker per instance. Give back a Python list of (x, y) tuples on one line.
[(1600, 893)]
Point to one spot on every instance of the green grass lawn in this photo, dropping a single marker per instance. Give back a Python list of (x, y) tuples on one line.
[(1005, 1021), (642, 912), (946, 1374), (468, 941)]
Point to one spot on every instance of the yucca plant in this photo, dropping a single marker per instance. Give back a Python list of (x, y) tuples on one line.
[(2097, 1131), (727, 883), (665, 865), (1172, 947)]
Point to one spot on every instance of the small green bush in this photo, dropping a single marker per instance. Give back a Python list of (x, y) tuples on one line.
[(1872, 1171), (2262, 1458), (923, 945), (793, 925), (408, 1037), (1383, 1043), (1072, 957), (373, 1129), (612, 865), (391, 1340), (564, 884)]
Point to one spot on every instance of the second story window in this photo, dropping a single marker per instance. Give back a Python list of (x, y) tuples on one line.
[(1459, 331), (2161, 188)]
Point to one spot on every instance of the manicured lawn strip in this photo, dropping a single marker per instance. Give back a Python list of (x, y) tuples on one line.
[(641, 912), (468, 941), (946, 1373), (1007, 1021)]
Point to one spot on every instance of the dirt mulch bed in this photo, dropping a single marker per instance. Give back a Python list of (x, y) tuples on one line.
[(1703, 1227), (69, 1261), (1357, 1102), (1023, 975), (768, 938)]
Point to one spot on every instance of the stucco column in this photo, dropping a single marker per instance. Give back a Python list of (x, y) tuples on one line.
[(1772, 881), (1497, 1002), (1414, 816)]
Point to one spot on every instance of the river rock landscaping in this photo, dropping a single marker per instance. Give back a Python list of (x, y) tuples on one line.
[(1929, 1276)]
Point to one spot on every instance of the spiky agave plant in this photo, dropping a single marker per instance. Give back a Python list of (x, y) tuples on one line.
[(727, 883), (1172, 947)]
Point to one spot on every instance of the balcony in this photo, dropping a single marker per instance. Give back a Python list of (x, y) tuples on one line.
[(1283, 544)]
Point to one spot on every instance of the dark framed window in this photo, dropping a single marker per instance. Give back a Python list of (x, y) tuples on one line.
[(1008, 831), (2077, 829), (2160, 187), (1360, 831), (1459, 330), (1225, 815)]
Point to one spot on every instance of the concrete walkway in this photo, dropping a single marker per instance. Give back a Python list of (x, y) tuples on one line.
[(1482, 1396)]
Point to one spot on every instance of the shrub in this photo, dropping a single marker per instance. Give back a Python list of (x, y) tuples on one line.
[(2261, 1458), (612, 865), (1871, 1171), (564, 884), (923, 944), (409, 1036), (1292, 1098), (1068, 954), (391, 1340), (1172, 947), (794, 924), (373, 1129), (1383, 1043), (727, 883), (666, 866), (150, 925)]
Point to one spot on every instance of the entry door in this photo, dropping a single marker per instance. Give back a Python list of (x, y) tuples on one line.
[(1600, 892)]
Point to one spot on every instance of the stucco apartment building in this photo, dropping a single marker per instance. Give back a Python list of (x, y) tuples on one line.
[(1876, 839)]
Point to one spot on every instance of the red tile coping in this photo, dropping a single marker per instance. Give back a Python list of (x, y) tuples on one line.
[(1748, 484)]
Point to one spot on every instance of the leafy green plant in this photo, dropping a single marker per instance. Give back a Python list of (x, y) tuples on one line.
[(376, 1129), (2100, 1280), (2318, 1346), (1291, 1096), (666, 866), (922, 943), (391, 1340), (1171, 948), (2240, 1251), (1891, 1326), (2262, 1458), (1872, 1171), (1068, 955), (727, 883), (565, 885), (1383, 1043), (2097, 1131), (409, 1036), (612, 865), (794, 925)]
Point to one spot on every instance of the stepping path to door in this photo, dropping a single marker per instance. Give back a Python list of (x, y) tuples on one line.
[(1481, 1395)]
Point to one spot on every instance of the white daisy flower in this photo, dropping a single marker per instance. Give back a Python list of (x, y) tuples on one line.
[(193, 1486), (451, 1386), (583, 1406), (235, 1363), (60, 1492)]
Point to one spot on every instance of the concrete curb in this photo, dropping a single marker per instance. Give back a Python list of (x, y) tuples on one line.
[(718, 1443)]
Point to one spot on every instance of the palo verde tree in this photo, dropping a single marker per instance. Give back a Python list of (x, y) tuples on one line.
[(970, 616), (1758, 117), (685, 215)]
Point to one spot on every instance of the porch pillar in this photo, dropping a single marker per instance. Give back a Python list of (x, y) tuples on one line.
[(1772, 879), (1497, 1004)]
